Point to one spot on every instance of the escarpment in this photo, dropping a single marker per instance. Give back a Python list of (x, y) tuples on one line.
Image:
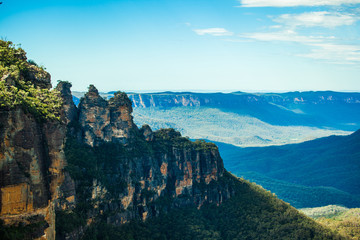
[(32, 160), (92, 163), (123, 173), (32, 139)]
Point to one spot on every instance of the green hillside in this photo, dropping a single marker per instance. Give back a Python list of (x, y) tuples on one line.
[(301, 196)]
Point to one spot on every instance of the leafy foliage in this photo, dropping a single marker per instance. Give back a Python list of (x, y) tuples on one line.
[(22, 231), (17, 90), (67, 221), (120, 99), (327, 211)]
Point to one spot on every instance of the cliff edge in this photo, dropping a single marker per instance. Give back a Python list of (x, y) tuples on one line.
[(32, 140)]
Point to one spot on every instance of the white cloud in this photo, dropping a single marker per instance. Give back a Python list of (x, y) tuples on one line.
[(313, 19), (295, 3), (322, 48), (335, 52), (284, 36), (214, 32), (329, 48)]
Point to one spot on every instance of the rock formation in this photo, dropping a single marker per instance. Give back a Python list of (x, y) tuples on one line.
[(70, 111), (135, 170), (105, 121), (31, 169)]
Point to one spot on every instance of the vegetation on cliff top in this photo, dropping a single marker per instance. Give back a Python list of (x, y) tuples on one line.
[(120, 99), (25, 84)]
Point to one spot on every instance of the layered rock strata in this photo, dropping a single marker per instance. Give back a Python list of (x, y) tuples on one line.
[(138, 173), (31, 169), (125, 173), (103, 120)]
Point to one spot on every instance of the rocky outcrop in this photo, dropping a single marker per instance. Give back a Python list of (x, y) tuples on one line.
[(71, 113), (136, 173), (139, 183), (38, 76), (76, 167), (122, 172), (146, 131), (105, 121), (31, 164)]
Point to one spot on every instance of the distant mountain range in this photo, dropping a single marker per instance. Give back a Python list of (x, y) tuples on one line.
[(319, 109), (245, 119), (310, 174)]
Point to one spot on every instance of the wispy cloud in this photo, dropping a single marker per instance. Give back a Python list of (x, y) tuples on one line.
[(283, 36), (336, 53), (295, 3), (314, 19), (322, 48), (322, 45), (214, 32)]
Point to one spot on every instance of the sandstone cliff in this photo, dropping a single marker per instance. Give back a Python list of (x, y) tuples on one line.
[(103, 120), (32, 141), (93, 164), (123, 173)]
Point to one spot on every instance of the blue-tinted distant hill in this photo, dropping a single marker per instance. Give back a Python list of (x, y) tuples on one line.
[(319, 109), (329, 168)]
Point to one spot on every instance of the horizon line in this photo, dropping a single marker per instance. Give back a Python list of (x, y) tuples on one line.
[(220, 91)]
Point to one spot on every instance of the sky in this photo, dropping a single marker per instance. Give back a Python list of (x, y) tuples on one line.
[(187, 45)]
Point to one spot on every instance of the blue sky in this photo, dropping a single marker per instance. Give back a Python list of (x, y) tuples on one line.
[(210, 45)]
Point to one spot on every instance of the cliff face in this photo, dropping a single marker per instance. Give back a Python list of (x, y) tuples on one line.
[(70, 112), (64, 169), (31, 170), (106, 168), (123, 173), (105, 121)]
